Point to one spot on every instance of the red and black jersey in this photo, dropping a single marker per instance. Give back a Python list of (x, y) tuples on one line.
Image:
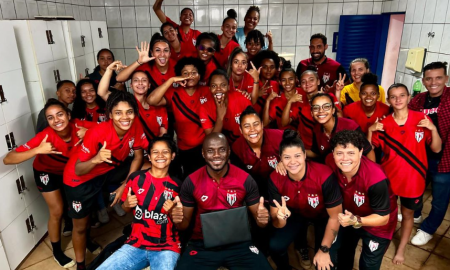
[(328, 70), (186, 111), (356, 112), (236, 105), (277, 106), (152, 119), (94, 139), (184, 52), (189, 39), (404, 147), (245, 85), (274, 87), (96, 114), (260, 167), (321, 142), (202, 191), (152, 229), (368, 193), (156, 77), (54, 163), (209, 68), (312, 195), (224, 53)]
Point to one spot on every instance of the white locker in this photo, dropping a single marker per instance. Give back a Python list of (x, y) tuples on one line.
[(87, 33), (57, 40), (30, 190), (13, 195), (15, 94), (3, 260), (38, 211), (41, 40), (99, 35)]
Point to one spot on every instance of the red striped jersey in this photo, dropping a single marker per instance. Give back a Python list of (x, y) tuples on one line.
[(94, 139), (152, 119), (189, 39), (312, 195), (96, 114), (356, 112), (404, 147), (186, 111), (202, 191), (152, 229), (224, 53), (156, 77), (210, 67), (236, 104), (277, 106)]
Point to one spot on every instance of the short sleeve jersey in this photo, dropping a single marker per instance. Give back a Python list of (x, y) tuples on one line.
[(236, 105), (274, 87), (52, 163), (328, 70), (186, 111), (152, 229), (152, 119), (356, 112), (96, 114), (368, 193), (245, 85), (189, 39), (175, 56), (156, 77), (224, 53), (202, 191), (350, 94), (210, 67), (312, 195), (94, 139), (404, 147), (277, 106)]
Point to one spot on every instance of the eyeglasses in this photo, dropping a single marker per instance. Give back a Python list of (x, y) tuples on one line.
[(204, 48), (325, 107)]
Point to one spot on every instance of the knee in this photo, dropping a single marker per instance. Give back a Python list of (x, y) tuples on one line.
[(79, 228), (277, 247), (56, 212), (407, 214)]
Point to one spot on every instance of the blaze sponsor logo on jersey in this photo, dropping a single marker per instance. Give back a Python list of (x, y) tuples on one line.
[(159, 218), (44, 178), (254, 249), (141, 190), (326, 77), (168, 194), (203, 99), (231, 197), (85, 149), (159, 120), (236, 117), (76, 206), (373, 245), (359, 198), (273, 162), (419, 135), (286, 198), (204, 198), (313, 200)]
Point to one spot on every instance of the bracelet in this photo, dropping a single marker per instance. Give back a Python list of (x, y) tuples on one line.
[(137, 61), (255, 82)]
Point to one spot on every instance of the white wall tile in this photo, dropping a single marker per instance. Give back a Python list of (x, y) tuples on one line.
[(97, 3), (435, 43), (244, 2), (69, 10), (119, 54), (365, 7), (350, 9), (189, 2), (406, 35), (387, 6), (402, 5), (32, 9), (115, 36), (21, 9), (376, 8), (144, 34), (430, 7), (318, 28), (334, 13), (445, 48), (220, 2), (330, 30), (241, 11), (289, 35), (419, 11), (303, 34), (320, 14), (410, 8), (394, 5), (130, 38), (216, 30), (263, 10), (111, 3), (290, 14), (43, 9), (60, 9), (83, 13), (113, 18), (88, 14), (277, 35), (126, 3), (441, 11), (141, 3), (216, 15), (128, 16), (301, 52), (415, 35), (304, 14), (288, 50), (402, 56), (431, 57), (76, 12), (201, 16), (424, 40), (203, 28), (169, 2), (142, 16), (275, 14), (173, 12), (98, 14)]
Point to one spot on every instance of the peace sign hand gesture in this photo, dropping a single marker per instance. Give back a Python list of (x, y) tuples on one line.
[(254, 72), (283, 212), (144, 53), (340, 83)]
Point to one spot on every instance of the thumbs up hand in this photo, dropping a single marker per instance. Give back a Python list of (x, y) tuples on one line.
[(81, 131), (131, 200), (377, 126), (46, 147), (103, 155), (177, 211), (262, 214)]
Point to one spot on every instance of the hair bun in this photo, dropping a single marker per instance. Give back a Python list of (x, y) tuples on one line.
[(312, 68), (231, 13), (287, 64), (370, 78), (289, 134)]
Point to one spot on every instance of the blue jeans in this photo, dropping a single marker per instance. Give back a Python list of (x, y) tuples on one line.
[(440, 190), (129, 257)]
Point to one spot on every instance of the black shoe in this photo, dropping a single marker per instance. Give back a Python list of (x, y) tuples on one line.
[(93, 248)]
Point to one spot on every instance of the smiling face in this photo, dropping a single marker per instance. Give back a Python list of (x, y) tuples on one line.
[(369, 95), (347, 158), (253, 47), (57, 118), (229, 28), (88, 93), (190, 70), (309, 83), (186, 17), (317, 49), (205, 50), (218, 87), (251, 128), (268, 68), (66, 93), (170, 33), (398, 98), (161, 52), (105, 59), (434, 80), (294, 160), (216, 153), (322, 109), (358, 69), (122, 115), (160, 155), (239, 64), (140, 83), (287, 80), (251, 20)]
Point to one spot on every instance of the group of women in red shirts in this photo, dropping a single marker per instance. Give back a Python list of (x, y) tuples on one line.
[(312, 157)]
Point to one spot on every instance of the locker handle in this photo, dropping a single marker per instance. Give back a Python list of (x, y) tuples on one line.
[(8, 142), (22, 183), (33, 226), (47, 33), (86, 71), (54, 74), (13, 141), (28, 225), (19, 187), (83, 42), (2, 95), (57, 75), (100, 34), (51, 37)]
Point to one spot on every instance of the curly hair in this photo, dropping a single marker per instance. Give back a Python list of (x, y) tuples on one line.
[(346, 137), (190, 61)]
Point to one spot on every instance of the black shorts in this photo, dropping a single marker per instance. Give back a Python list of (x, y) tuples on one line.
[(47, 182), (83, 198), (236, 256), (412, 203)]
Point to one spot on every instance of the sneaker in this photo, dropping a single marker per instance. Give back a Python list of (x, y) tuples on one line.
[(103, 216), (416, 220), (303, 255), (93, 247), (399, 217), (119, 211), (421, 238), (66, 263), (67, 231), (95, 223)]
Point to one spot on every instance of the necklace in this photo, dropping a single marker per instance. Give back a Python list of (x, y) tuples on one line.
[(240, 86)]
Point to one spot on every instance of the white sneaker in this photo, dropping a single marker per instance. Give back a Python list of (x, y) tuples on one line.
[(421, 238), (119, 211), (416, 220), (399, 217)]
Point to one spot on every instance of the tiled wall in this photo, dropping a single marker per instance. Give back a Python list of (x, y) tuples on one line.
[(421, 18)]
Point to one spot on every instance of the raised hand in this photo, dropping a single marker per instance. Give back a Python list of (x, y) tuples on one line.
[(254, 72), (377, 126), (143, 53), (177, 211), (182, 80), (269, 36), (47, 147), (116, 66), (262, 214), (244, 93), (103, 155), (281, 169), (221, 107), (296, 98), (283, 212), (427, 123), (264, 89), (81, 131), (272, 96), (340, 83), (131, 200), (167, 206)]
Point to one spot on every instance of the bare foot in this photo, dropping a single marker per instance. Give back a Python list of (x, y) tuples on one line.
[(398, 259)]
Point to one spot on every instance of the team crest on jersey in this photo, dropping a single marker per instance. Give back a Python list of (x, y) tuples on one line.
[(236, 117), (44, 178), (203, 100), (313, 200), (168, 194), (373, 245), (76, 206), (326, 77), (286, 198), (359, 198), (131, 142), (231, 197), (101, 118), (194, 41), (159, 120), (249, 167), (204, 198), (254, 250), (273, 162), (321, 147), (419, 135)]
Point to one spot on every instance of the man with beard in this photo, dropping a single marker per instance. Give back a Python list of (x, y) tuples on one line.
[(208, 189), (328, 69)]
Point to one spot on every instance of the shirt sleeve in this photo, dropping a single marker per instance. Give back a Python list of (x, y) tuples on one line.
[(331, 192), (187, 193), (251, 188), (33, 143), (205, 118), (127, 186), (164, 117), (342, 98), (376, 142), (379, 198), (273, 110), (141, 141), (274, 194), (89, 146), (427, 134), (367, 145)]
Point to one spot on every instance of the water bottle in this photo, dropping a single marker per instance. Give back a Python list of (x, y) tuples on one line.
[(417, 88)]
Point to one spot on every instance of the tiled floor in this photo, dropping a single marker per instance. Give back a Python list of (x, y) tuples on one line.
[(433, 256)]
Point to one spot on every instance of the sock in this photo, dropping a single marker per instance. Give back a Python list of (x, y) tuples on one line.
[(81, 265), (59, 254)]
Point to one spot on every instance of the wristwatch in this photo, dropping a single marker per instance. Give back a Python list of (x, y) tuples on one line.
[(324, 249), (358, 223)]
